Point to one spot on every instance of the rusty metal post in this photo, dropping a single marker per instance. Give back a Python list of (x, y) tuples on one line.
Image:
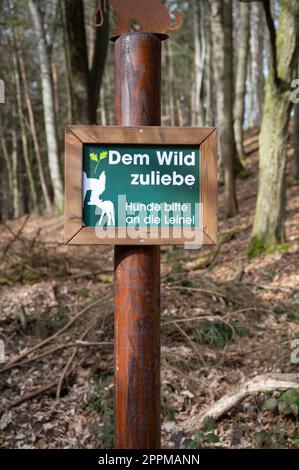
[(137, 269)]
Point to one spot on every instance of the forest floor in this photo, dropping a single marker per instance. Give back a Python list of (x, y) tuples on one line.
[(225, 319)]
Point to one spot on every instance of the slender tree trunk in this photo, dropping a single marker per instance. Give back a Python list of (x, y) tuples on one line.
[(67, 60), (28, 165), (103, 107), (7, 161), (14, 166), (251, 92), (33, 131), (269, 227), (221, 23), (170, 83), (241, 78), (200, 51), (210, 104), (296, 140), (6, 182), (55, 88), (259, 61), (48, 105), (180, 113), (86, 80)]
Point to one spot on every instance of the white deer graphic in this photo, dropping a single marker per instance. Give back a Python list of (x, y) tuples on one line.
[(97, 187)]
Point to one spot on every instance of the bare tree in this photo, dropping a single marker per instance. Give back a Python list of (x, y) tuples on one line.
[(243, 50), (86, 78), (48, 105), (200, 55), (269, 221), (27, 160), (33, 130), (221, 26), (296, 140)]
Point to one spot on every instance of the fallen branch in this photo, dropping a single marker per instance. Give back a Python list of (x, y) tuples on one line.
[(54, 336), (65, 373), (59, 348), (204, 262), (196, 289), (261, 383), (192, 344), (28, 396), (265, 287), (39, 391), (69, 363)]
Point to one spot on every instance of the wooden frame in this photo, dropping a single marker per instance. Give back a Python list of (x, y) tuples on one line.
[(76, 136)]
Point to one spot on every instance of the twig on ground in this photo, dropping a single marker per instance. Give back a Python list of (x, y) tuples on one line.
[(196, 289), (55, 335), (191, 343), (28, 396), (63, 346), (265, 287), (69, 363)]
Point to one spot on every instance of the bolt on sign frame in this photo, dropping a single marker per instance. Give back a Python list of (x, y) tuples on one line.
[(76, 233)]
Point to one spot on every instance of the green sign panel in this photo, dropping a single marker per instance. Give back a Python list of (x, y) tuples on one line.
[(141, 186)]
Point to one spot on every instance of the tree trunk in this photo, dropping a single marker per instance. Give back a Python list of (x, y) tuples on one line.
[(28, 165), (251, 91), (15, 184), (86, 80), (221, 24), (33, 131), (259, 62), (7, 161), (241, 78), (269, 227), (200, 47), (210, 102), (48, 105), (6, 182), (170, 84), (67, 61), (103, 107), (296, 140)]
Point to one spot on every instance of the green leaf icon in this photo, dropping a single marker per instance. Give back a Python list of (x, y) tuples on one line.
[(103, 155), (93, 156)]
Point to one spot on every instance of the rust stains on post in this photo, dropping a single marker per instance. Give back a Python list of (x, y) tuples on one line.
[(137, 269)]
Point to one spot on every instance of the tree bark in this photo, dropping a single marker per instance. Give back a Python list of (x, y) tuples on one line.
[(33, 131), (241, 78), (209, 77), (296, 140), (86, 80), (170, 84), (15, 183), (7, 161), (221, 24), (28, 165), (67, 61), (259, 78), (200, 47), (269, 226), (48, 105)]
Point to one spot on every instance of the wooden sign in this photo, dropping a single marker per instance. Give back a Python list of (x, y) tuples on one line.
[(140, 185)]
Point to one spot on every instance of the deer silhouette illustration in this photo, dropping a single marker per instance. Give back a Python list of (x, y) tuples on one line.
[(97, 186)]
